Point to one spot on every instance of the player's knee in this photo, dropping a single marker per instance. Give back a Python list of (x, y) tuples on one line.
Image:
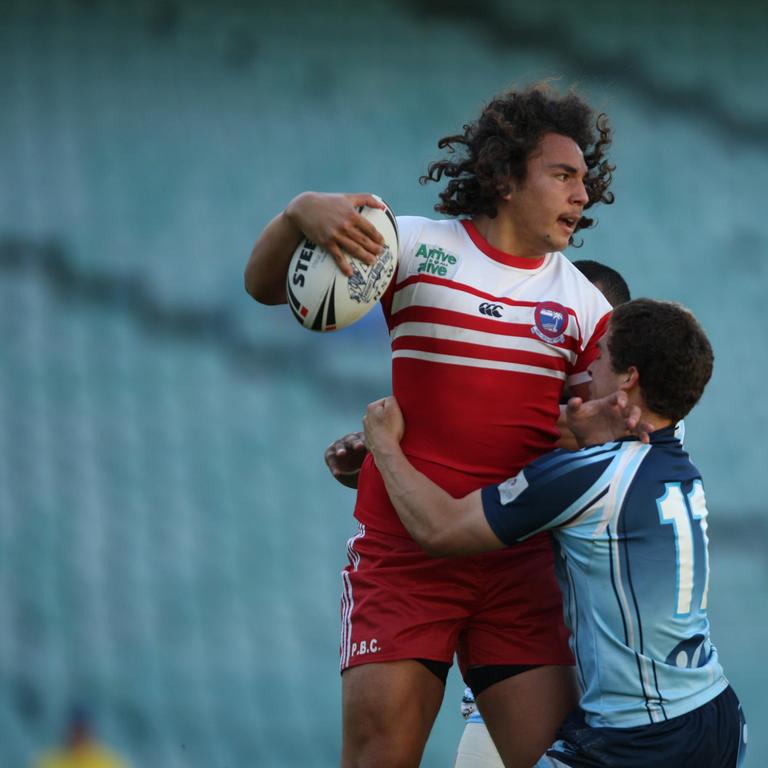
[(374, 739), (373, 745), (388, 713)]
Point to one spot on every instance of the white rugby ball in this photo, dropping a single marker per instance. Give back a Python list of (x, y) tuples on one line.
[(322, 297)]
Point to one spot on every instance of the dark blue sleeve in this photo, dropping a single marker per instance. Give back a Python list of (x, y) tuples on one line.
[(553, 490)]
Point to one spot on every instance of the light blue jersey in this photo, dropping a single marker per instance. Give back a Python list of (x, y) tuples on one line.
[(629, 522)]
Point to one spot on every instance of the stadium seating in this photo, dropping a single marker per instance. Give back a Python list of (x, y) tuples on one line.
[(169, 539)]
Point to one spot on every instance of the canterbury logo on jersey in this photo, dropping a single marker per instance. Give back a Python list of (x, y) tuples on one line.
[(491, 310)]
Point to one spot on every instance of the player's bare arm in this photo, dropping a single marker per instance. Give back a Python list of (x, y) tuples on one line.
[(329, 220), (344, 458), (444, 526), (441, 525)]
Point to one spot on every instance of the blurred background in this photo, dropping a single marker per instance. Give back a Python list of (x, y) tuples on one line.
[(170, 542)]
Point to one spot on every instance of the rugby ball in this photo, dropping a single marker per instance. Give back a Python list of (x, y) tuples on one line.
[(322, 297)]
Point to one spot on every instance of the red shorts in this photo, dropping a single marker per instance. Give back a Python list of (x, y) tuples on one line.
[(495, 608)]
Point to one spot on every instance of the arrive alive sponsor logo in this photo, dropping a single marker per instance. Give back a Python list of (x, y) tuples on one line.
[(433, 260)]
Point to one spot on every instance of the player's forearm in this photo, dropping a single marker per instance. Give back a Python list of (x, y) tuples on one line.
[(268, 264), (440, 524), (421, 505)]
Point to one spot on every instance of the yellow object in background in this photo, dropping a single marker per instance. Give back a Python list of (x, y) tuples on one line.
[(88, 755), (81, 749)]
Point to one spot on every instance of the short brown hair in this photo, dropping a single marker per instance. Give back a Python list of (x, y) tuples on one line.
[(670, 350)]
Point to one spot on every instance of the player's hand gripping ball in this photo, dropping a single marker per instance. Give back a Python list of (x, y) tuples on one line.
[(322, 298)]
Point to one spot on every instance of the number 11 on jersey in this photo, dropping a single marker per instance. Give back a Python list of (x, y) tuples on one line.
[(683, 511)]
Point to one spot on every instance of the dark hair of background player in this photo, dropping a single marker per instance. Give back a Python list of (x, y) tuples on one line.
[(495, 148), (670, 350), (608, 281)]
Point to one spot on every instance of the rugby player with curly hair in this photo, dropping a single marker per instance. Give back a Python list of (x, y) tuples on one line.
[(488, 323)]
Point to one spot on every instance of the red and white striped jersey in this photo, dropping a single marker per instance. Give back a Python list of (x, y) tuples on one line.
[(483, 343)]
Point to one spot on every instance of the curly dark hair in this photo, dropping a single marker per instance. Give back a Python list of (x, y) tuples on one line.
[(495, 148), (670, 350)]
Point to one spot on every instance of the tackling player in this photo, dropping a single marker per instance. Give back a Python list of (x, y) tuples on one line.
[(488, 322), (629, 521)]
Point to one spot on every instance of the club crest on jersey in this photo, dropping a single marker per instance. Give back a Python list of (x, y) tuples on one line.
[(550, 321)]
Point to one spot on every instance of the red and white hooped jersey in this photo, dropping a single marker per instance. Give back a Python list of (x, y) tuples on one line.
[(483, 343)]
